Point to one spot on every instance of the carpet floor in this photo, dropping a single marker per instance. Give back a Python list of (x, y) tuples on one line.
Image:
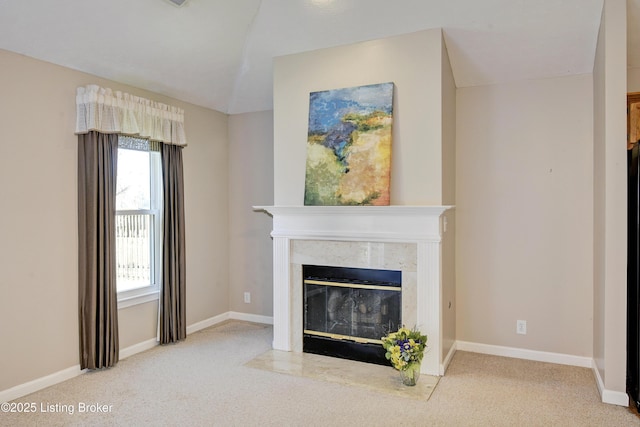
[(208, 380)]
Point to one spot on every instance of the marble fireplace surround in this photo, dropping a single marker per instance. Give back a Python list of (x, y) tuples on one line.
[(405, 238)]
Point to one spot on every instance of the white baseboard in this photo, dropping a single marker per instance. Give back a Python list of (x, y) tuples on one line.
[(138, 348), (207, 322), (255, 318), (66, 374), (609, 396), (522, 353), (146, 345), (447, 360), (40, 383)]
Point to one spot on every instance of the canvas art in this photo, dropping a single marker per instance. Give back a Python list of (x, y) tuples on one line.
[(349, 146)]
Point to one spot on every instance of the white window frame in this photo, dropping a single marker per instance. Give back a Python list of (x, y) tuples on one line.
[(149, 292)]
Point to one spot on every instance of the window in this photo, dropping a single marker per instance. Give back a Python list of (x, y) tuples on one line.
[(138, 219)]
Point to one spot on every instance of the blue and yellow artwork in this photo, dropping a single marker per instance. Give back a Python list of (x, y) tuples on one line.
[(349, 146)]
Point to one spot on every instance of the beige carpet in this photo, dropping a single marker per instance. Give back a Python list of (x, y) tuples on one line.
[(205, 381)]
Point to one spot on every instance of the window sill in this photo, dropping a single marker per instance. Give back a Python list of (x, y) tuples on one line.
[(138, 296)]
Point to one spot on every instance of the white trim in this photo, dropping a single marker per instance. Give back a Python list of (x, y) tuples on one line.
[(146, 345), (131, 300), (615, 397), (282, 289), (357, 223), (522, 353), (373, 236), (137, 348), (255, 318), (68, 373), (447, 360), (609, 396), (428, 304), (39, 383), (207, 322), (391, 210)]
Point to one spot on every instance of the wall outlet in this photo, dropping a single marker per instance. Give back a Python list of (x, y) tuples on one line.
[(521, 327), (247, 297)]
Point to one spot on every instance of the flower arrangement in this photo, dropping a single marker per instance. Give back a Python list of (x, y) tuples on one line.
[(405, 349)]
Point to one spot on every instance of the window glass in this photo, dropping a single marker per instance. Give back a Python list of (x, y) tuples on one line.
[(138, 217), (133, 182)]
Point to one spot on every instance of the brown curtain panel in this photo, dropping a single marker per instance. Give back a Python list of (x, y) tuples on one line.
[(173, 325), (97, 294)]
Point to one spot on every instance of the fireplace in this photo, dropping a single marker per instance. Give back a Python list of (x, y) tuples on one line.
[(408, 239), (347, 311)]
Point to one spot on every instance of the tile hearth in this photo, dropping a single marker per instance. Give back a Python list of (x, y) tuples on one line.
[(383, 379)]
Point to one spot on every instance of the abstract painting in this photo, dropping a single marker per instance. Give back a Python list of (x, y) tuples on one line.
[(349, 146)]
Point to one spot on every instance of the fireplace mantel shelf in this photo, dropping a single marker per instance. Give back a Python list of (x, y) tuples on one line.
[(354, 210), (358, 223)]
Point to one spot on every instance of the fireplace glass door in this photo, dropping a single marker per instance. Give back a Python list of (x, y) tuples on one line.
[(347, 311)]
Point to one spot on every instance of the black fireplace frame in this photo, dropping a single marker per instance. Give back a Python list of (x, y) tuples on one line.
[(349, 349)]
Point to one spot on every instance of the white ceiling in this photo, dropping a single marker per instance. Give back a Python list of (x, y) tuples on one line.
[(219, 53)]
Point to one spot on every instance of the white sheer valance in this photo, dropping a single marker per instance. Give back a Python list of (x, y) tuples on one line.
[(105, 111)]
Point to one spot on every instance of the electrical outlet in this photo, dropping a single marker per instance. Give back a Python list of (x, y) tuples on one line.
[(247, 297), (521, 327)]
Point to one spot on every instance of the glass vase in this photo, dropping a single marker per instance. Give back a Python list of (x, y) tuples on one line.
[(410, 374)]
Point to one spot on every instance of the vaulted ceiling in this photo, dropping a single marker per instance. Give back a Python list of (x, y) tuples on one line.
[(219, 53)]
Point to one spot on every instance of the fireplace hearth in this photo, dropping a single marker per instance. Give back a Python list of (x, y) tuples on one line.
[(348, 310)]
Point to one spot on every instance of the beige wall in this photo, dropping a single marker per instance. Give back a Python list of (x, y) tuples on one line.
[(412, 62), (633, 79), (610, 197), (250, 184), (524, 214), (206, 173), (38, 231)]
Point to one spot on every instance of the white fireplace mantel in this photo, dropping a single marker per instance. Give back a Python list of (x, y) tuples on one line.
[(377, 223), (419, 225)]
